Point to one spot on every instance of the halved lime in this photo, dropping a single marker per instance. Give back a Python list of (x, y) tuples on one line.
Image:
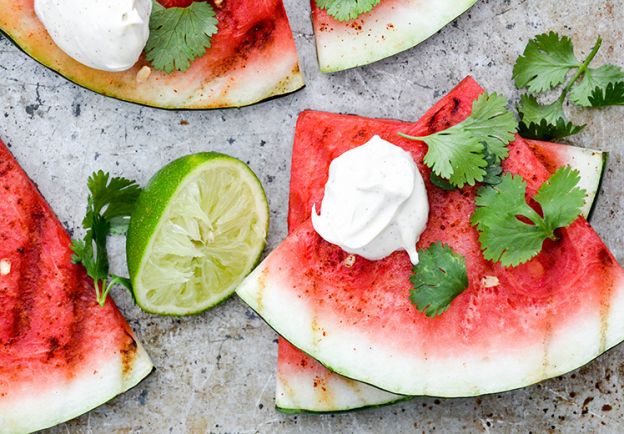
[(198, 229)]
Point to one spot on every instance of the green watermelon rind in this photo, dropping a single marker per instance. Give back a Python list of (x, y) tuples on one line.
[(269, 291), (388, 29), (261, 281), (591, 165), (59, 388), (343, 410), (289, 400), (285, 80), (605, 160), (296, 85), (53, 408)]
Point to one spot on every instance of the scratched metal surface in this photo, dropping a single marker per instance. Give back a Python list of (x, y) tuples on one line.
[(215, 372)]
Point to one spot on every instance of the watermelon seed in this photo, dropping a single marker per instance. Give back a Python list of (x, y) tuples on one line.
[(143, 74), (490, 281), (5, 267), (349, 261)]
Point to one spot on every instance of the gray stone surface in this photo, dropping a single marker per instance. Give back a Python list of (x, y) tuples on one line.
[(215, 372)]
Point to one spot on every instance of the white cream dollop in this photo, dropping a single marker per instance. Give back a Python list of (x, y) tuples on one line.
[(375, 202), (102, 34)]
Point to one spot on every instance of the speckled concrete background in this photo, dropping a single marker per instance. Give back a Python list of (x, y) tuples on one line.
[(215, 372)]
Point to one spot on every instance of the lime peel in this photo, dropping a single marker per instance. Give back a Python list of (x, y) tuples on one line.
[(198, 229)]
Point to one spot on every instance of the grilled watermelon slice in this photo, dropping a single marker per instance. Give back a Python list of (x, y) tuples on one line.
[(545, 318), (303, 384), (252, 57), (61, 354), (391, 27)]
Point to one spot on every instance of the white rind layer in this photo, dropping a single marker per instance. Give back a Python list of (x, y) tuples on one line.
[(238, 88), (276, 72), (295, 392), (36, 408), (590, 163), (574, 341), (391, 27)]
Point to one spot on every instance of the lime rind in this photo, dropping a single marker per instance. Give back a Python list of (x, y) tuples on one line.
[(209, 236)]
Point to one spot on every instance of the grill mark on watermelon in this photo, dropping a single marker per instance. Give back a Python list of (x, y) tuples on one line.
[(304, 190), (128, 354), (53, 334), (451, 108), (257, 38), (53, 345), (29, 274), (519, 150), (606, 293), (5, 167), (456, 103), (262, 286), (71, 352)]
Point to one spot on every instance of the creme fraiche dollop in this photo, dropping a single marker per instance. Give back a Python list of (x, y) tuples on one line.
[(375, 202), (102, 34)]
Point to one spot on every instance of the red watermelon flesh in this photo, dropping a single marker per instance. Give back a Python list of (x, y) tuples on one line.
[(544, 318), (252, 57), (61, 354), (302, 382)]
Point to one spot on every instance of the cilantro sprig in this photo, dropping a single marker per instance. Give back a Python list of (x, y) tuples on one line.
[(178, 35), (347, 10), (510, 230), (109, 206), (471, 151), (438, 279), (547, 61)]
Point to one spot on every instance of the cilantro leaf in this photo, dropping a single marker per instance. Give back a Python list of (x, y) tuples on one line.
[(346, 10), (109, 206), (438, 279), (532, 111), (545, 63), (561, 199), (493, 173), (544, 122), (613, 94), (547, 131), (178, 36), (598, 78), (117, 195), (510, 240), (492, 123), (494, 170), (440, 182), (458, 153)]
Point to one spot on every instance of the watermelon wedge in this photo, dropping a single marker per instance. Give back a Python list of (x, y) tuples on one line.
[(543, 319), (391, 27), (61, 354), (252, 57), (303, 384)]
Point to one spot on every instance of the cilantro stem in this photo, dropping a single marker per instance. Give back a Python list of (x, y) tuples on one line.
[(99, 295), (582, 69), (407, 136)]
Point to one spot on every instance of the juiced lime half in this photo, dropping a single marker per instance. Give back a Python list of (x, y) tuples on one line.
[(198, 229)]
